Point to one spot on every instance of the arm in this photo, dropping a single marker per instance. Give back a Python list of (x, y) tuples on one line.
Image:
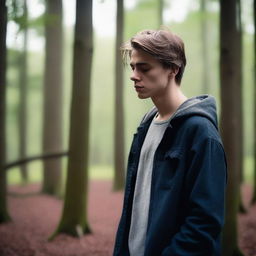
[(205, 188)]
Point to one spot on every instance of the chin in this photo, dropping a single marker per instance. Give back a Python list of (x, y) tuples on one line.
[(140, 96)]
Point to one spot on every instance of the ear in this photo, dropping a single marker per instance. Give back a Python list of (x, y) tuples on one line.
[(174, 71)]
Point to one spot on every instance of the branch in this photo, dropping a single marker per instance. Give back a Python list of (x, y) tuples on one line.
[(33, 158)]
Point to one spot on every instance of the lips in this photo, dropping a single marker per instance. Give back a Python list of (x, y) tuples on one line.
[(138, 87)]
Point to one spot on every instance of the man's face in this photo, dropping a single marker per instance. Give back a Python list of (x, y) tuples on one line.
[(150, 78)]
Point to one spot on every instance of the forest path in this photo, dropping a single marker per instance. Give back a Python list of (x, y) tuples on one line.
[(36, 217)]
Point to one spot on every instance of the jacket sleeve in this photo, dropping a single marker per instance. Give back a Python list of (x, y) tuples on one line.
[(205, 184)]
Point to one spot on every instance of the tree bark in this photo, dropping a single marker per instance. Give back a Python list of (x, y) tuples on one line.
[(4, 215), (160, 12), (205, 46), (231, 122), (254, 187), (23, 96), (241, 208), (119, 166), (52, 119), (74, 216)]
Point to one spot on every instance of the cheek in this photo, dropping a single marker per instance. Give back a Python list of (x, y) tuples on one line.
[(159, 76), (160, 80), (154, 77)]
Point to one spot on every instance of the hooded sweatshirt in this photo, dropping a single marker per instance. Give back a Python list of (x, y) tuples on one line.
[(187, 188)]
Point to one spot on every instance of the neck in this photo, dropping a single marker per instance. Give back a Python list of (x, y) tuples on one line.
[(168, 103)]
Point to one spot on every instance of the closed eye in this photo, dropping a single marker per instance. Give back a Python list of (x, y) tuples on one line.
[(144, 70), (141, 67)]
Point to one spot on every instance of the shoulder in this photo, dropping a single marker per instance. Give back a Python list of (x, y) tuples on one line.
[(201, 128), (201, 135)]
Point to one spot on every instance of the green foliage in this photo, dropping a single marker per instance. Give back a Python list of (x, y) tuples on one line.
[(144, 16), (13, 55), (17, 12), (15, 9), (34, 104), (148, 4), (37, 24)]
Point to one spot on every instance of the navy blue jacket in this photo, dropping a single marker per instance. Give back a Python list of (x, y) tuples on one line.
[(186, 212)]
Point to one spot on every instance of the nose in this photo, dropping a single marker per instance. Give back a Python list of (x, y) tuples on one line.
[(135, 76)]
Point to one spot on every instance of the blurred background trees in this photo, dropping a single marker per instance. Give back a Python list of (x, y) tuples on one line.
[(119, 158), (4, 216), (254, 82), (206, 81), (52, 96), (231, 114), (42, 86), (23, 73), (74, 217)]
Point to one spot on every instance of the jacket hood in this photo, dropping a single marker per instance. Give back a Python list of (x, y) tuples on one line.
[(203, 105)]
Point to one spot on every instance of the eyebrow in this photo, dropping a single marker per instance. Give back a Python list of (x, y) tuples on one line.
[(139, 64)]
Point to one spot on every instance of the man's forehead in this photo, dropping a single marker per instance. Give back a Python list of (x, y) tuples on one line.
[(140, 57)]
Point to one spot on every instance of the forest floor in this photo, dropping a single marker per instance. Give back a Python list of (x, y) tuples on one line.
[(36, 216)]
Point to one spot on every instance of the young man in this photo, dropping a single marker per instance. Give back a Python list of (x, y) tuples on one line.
[(176, 177)]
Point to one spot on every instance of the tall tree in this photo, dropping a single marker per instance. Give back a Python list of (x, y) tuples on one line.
[(205, 46), (52, 119), (74, 215), (231, 122), (160, 12), (23, 92), (242, 208), (254, 20), (119, 166), (4, 216)]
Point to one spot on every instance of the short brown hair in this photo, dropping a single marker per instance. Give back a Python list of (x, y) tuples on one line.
[(165, 46)]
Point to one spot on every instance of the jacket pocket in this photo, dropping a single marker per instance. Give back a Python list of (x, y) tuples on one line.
[(168, 170), (173, 154)]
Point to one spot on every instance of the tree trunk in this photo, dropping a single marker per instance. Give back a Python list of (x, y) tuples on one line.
[(23, 97), (4, 216), (52, 120), (160, 12), (241, 208), (205, 46), (231, 99), (254, 19), (119, 166), (74, 216)]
